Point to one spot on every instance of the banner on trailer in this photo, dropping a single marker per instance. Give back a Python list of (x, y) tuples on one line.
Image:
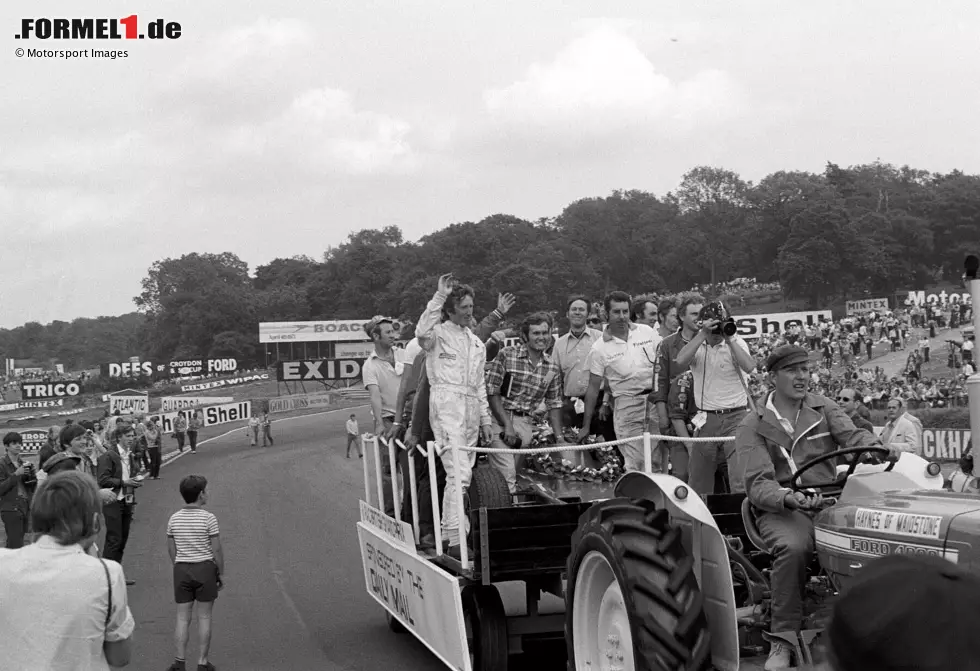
[(423, 597), (175, 403)]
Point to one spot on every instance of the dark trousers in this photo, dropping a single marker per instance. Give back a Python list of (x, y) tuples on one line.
[(180, 441), (155, 457), (192, 437), (15, 526), (267, 434), (118, 518), (789, 537), (424, 485), (352, 440)]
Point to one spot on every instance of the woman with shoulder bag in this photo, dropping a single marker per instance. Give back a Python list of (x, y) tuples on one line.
[(64, 609)]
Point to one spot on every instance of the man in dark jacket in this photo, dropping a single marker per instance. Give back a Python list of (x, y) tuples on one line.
[(17, 484), (790, 429), (116, 471), (851, 404)]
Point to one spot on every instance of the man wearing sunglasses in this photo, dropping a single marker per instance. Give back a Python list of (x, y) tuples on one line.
[(851, 404)]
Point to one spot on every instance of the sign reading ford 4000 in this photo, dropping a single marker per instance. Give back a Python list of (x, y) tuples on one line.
[(754, 326), (346, 330)]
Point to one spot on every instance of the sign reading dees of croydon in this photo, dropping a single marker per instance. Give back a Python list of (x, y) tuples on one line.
[(346, 330), (754, 326), (184, 368), (867, 305)]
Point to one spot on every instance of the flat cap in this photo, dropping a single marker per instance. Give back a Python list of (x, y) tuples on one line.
[(786, 355)]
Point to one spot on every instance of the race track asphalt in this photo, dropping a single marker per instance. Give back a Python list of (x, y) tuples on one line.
[(295, 597)]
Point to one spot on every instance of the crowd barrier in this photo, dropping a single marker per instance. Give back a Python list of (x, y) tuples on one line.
[(431, 451)]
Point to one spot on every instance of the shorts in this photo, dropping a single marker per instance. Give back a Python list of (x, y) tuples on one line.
[(195, 582)]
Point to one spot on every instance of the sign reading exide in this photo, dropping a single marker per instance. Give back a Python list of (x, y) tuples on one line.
[(322, 369)]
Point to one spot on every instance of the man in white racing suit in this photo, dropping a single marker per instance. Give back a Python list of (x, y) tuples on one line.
[(458, 410)]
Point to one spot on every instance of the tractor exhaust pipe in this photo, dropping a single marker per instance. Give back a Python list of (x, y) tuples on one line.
[(972, 265)]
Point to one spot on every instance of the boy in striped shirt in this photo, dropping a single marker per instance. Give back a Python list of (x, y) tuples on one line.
[(199, 567)]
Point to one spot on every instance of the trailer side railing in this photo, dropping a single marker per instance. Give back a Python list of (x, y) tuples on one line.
[(371, 444)]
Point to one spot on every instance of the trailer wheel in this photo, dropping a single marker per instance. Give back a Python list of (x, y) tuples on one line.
[(488, 489), (632, 600), (394, 624), (486, 628)]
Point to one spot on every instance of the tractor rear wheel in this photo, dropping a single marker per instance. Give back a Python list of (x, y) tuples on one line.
[(632, 600), (486, 628)]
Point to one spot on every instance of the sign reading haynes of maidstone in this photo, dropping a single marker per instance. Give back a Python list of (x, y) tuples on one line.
[(867, 305), (346, 330), (322, 369), (35, 390), (754, 326), (185, 368)]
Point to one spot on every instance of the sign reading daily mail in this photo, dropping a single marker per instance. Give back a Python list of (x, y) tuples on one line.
[(175, 403), (867, 305), (755, 326), (53, 403), (346, 330)]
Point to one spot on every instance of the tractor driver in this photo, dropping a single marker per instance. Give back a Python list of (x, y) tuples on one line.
[(790, 428)]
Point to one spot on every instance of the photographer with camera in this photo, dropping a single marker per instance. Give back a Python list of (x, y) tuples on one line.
[(720, 361), (519, 379), (18, 480)]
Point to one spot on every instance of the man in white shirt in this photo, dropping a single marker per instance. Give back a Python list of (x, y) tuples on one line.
[(382, 373), (571, 352), (352, 433), (968, 349), (625, 358), (902, 431), (720, 366)]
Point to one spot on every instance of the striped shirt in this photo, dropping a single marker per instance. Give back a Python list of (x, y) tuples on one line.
[(530, 383), (192, 529)]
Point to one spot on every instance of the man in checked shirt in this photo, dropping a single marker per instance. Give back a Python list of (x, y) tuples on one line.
[(518, 380)]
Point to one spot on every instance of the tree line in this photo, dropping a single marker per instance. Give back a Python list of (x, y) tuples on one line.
[(843, 233)]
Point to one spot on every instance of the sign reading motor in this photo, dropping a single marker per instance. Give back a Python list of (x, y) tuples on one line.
[(33, 390)]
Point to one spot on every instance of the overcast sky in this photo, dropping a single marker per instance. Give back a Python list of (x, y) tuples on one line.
[(276, 129)]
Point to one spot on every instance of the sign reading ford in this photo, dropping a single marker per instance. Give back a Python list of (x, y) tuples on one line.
[(346, 330), (322, 369), (755, 326)]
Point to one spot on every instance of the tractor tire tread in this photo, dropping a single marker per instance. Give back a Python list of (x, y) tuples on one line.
[(659, 585)]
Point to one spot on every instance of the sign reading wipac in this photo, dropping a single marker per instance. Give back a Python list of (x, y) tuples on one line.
[(754, 326), (867, 305), (322, 369), (346, 330)]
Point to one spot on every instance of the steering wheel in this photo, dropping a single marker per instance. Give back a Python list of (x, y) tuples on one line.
[(836, 486)]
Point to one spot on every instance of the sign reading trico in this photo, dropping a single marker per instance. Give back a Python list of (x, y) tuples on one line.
[(346, 330), (322, 369), (34, 390)]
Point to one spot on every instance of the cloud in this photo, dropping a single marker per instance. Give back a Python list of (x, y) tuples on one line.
[(603, 84)]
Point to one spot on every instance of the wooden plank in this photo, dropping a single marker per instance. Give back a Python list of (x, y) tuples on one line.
[(530, 516)]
